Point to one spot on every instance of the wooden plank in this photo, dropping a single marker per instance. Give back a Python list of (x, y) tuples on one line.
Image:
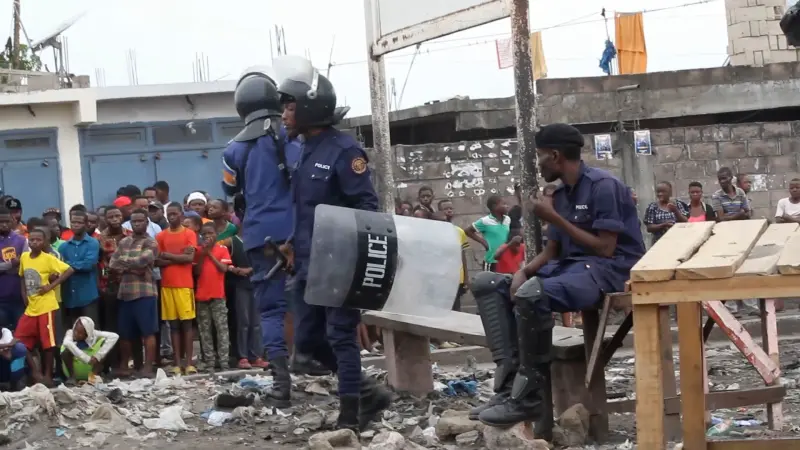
[(693, 398), (789, 261), (736, 288), (741, 339), (649, 378), (755, 444), (724, 252), (714, 400), (763, 258), (769, 339), (675, 247), (467, 329)]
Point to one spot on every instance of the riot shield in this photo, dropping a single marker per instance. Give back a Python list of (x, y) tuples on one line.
[(379, 261)]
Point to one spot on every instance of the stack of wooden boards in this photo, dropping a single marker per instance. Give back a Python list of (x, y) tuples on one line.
[(711, 250)]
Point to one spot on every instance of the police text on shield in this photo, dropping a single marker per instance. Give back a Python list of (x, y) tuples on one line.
[(377, 255)]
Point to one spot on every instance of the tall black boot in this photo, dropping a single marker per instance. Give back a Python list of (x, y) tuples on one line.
[(348, 413), (374, 399), (497, 315), (280, 393), (306, 365), (528, 400)]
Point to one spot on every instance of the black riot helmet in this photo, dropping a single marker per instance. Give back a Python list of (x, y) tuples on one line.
[(257, 102), (790, 25), (312, 93), (256, 97)]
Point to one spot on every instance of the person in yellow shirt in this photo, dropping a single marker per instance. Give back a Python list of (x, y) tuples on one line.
[(42, 273), (463, 285)]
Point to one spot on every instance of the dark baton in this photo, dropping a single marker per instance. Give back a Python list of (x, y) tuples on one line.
[(271, 249)]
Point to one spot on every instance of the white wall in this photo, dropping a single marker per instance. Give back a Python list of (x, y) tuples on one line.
[(165, 109), (68, 109)]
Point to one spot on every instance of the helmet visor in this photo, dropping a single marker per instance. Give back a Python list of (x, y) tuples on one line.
[(296, 71)]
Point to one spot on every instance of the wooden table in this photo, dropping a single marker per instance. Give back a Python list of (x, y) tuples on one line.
[(695, 266)]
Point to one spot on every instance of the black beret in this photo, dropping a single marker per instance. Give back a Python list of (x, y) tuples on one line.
[(558, 136)]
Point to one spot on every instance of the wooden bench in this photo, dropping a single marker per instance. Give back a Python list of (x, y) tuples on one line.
[(406, 341)]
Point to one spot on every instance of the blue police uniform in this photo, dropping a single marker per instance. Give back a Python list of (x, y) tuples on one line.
[(577, 279), (269, 213), (520, 332), (332, 170)]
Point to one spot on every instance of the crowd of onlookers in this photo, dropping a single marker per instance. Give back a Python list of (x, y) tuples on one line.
[(123, 289)]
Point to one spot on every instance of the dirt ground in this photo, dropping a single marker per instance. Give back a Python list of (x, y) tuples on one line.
[(729, 370)]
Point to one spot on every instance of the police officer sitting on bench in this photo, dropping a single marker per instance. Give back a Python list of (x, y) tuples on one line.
[(333, 170), (594, 240)]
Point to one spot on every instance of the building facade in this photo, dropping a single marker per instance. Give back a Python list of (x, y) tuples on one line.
[(69, 146)]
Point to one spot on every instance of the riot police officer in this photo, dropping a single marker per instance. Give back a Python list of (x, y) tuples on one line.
[(260, 155), (332, 170)]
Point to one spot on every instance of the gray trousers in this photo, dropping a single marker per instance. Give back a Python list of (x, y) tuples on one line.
[(248, 325)]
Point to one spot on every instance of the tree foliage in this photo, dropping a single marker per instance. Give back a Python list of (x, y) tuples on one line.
[(27, 59)]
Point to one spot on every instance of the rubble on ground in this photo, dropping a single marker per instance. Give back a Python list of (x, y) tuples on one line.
[(182, 412)]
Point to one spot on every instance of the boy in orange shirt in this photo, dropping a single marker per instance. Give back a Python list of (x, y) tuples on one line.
[(176, 250), (212, 262)]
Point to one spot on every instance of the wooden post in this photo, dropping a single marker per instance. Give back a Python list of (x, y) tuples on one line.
[(649, 378), (693, 398), (408, 362), (769, 335)]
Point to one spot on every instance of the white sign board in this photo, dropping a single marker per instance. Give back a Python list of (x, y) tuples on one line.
[(404, 23)]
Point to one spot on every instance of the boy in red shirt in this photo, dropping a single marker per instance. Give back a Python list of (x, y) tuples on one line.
[(510, 255), (212, 262), (176, 249)]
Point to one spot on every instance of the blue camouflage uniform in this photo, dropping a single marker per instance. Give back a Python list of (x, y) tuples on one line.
[(332, 170), (269, 213)]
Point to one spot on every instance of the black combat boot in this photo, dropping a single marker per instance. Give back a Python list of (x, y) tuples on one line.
[(280, 393), (500, 326), (503, 379), (374, 399), (306, 365), (529, 399), (348, 413)]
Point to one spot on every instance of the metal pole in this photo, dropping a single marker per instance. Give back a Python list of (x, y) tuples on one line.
[(525, 95), (381, 144)]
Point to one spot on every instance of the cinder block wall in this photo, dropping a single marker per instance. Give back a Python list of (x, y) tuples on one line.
[(754, 35)]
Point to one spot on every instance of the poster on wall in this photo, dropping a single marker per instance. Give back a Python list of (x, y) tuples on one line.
[(641, 139), (602, 146)]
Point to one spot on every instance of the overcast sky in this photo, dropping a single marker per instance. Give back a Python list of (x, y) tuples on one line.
[(234, 34)]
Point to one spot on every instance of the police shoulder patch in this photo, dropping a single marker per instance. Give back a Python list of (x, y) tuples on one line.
[(359, 165)]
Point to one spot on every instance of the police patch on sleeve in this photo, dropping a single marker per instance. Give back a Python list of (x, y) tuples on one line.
[(358, 165)]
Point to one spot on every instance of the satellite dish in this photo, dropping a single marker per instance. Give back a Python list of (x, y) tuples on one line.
[(47, 40)]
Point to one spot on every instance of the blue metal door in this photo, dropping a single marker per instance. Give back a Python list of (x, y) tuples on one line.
[(35, 183), (110, 172), (191, 170)]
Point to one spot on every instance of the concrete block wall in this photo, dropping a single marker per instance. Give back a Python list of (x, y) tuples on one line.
[(754, 34), (767, 152)]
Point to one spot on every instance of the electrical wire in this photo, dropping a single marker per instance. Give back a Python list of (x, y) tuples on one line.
[(491, 38)]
